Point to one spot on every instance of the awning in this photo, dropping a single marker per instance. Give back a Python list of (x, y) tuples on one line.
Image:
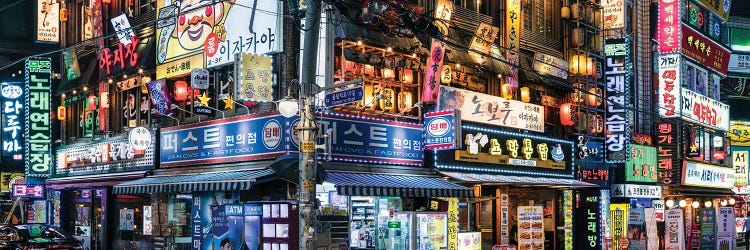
[(493, 179), (497, 65), (98, 180), (371, 184), (195, 182)]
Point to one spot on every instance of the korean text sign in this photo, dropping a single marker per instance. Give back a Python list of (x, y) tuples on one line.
[(617, 73), (108, 156), (668, 26), (228, 140), (38, 149), (372, 140), (492, 110), (703, 110), (641, 164), (211, 33), (669, 85), (588, 218), (704, 50), (441, 130), (704, 175), (667, 141), (12, 120), (48, 21), (28, 191), (513, 38), (255, 79)]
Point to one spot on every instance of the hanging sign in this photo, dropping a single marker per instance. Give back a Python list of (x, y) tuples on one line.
[(708, 228), (659, 207), (37, 131), (442, 130), (492, 110), (482, 41), (668, 26), (504, 220), (122, 58), (641, 164), (705, 51), (550, 65), (256, 79), (704, 175), (432, 73), (122, 28), (668, 168), (636, 228), (674, 226), (703, 110), (72, 69), (588, 220), (199, 78), (443, 13), (512, 39), (12, 120), (636, 191), (619, 222), (739, 160), (568, 219), (669, 85), (725, 228), (613, 12), (160, 99), (148, 226), (618, 74), (48, 21)]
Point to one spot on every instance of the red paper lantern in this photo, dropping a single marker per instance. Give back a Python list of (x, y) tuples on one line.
[(180, 91), (566, 117), (92, 102)]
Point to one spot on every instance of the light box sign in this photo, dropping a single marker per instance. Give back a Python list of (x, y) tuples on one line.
[(38, 148), (668, 170), (636, 191), (242, 138), (668, 26), (112, 155), (492, 110), (549, 65), (256, 80), (28, 191), (705, 51), (739, 161), (703, 110), (618, 72), (442, 130), (121, 57), (669, 85), (490, 150), (370, 140), (48, 20), (704, 175), (739, 63), (226, 29), (590, 156), (614, 14), (739, 133), (641, 164), (720, 7), (512, 39), (13, 113), (588, 220)]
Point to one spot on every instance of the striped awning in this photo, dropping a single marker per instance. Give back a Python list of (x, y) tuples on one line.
[(211, 181), (369, 184), (496, 179)]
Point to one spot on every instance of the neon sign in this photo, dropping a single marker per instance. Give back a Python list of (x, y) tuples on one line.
[(12, 120), (37, 128)]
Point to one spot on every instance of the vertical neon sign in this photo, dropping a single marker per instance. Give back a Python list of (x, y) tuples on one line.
[(37, 129)]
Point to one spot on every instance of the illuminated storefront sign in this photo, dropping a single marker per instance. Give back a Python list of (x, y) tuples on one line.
[(704, 175), (667, 142), (255, 79), (48, 20), (220, 141), (703, 110), (618, 72), (739, 160), (668, 26), (512, 38), (38, 151), (739, 133), (121, 57), (109, 156), (225, 29), (587, 221), (636, 191), (492, 150), (492, 110), (669, 85), (28, 191), (704, 50), (12, 120), (442, 130), (641, 164), (483, 39), (619, 221), (590, 156), (613, 13)]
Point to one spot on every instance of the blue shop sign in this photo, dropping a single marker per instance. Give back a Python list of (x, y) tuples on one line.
[(370, 140), (441, 130), (235, 139), (253, 210)]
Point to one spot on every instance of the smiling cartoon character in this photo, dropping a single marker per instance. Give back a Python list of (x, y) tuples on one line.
[(194, 21)]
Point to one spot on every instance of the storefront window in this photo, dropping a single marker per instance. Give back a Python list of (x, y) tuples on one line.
[(179, 213), (134, 226)]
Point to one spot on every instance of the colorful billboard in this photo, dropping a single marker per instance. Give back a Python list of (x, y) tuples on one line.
[(668, 26)]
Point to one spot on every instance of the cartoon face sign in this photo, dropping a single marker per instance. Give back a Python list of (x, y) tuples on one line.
[(195, 21)]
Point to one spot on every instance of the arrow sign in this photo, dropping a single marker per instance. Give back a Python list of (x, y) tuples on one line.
[(345, 96)]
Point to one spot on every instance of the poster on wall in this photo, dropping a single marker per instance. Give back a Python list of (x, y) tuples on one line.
[(148, 226), (226, 28), (48, 21), (708, 228), (618, 68), (38, 148), (530, 227), (674, 237), (725, 229), (492, 110), (613, 12), (504, 220), (256, 79)]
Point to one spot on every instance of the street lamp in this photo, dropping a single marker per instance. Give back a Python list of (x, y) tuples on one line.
[(288, 106)]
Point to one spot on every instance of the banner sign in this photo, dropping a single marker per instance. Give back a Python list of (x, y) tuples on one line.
[(669, 85), (453, 224), (256, 79), (725, 228), (587, 221), (739, 161), (488, 149), (197, 222), (492, 110), (704, 175), (13, 113), (641, 164), (226, 29), (674, 226), (530, 226), (703, 110), (668, 26), (160, 99), (48, 21), (652, 235), (614, 14), (705, 51), (550, 65), (112, 155), (442, 130), (513, 39), (241, 138), (28, 191), (636, 191), (370, 140), (72, 69), (432, 74), (708, 228), (619, 222), (618, 72), (122, 28), (37, 131)]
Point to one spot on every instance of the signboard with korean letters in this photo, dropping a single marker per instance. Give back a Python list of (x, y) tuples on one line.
[(37, 131), (118, 154), (704, 175), (492, 110), (703, 110), (12, 120), (636, 191), (368, 140), (588, 220), (442, 130), (669, 85), (488, 149), (618, 71)]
